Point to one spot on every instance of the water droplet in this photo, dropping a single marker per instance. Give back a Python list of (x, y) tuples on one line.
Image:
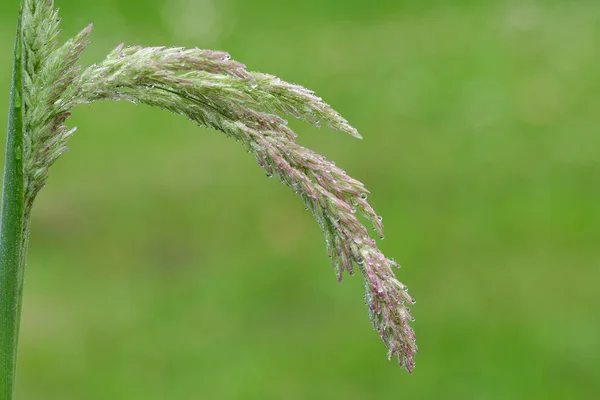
[(17, 100), (363, 196), (353, 210), (381, 237), (380, 218)]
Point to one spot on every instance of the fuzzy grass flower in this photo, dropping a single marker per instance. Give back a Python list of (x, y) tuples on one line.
[(214, 91)]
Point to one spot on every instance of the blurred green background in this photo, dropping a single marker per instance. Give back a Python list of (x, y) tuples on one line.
[(164, 265)]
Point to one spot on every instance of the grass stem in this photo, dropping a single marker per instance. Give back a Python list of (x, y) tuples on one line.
[(12, 257)]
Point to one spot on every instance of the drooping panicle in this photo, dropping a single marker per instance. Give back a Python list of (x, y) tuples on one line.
[(215, 91)]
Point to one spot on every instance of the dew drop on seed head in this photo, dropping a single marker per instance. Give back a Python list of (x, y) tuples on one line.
[(363, 196)]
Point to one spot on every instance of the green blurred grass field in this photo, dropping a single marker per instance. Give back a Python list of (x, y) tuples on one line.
[(164, 265)]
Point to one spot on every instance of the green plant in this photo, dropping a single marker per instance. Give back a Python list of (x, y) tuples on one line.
[(212, 90)]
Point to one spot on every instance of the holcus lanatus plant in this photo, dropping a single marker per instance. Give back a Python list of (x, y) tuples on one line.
[(213, 91)]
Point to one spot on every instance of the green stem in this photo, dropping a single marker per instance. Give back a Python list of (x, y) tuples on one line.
[(12, 255)]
